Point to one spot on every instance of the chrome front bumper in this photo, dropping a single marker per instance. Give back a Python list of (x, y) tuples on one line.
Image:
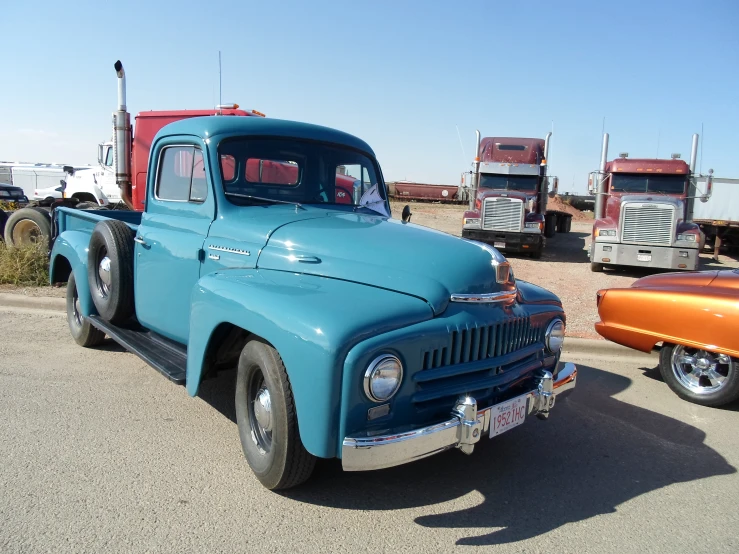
[(462, 431)]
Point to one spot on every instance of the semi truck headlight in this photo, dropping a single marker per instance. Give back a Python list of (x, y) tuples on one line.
[(533, 225), (555, 336), (606, 232), (689, 237), (471, 221), (382, 378)]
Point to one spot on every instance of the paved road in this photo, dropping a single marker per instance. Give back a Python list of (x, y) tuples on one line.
[(100, 453)]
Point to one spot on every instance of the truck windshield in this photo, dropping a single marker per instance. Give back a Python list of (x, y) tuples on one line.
[(508, 182), (665, 184), (293, 170)]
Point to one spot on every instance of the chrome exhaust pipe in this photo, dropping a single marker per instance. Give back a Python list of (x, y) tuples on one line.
[(599, 192), (694, 154), (122, 139), (546, 147), (476, 173)]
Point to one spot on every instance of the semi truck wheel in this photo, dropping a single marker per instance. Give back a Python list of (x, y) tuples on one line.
[(110, 270), (87, 206), (700, 376), (267, 420), (82, 332), (28, 226), (596, 268), (3, 221)]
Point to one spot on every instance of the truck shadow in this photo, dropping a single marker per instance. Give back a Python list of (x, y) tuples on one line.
[(563, 247), (593, 454)]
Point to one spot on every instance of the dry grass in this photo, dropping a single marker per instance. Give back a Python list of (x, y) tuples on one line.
[(26, 265)]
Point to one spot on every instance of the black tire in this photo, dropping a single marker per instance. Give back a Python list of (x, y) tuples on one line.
[(703, 391), (3, 221), (596, 268), (87, 206), (536, 254), (82, 331), (28, 226), (113, 299), (276, 455)]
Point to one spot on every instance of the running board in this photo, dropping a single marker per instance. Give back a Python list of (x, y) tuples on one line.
[(168, 357)]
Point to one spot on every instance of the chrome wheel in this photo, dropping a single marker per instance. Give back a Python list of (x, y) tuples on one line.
[(27, 231), (76, 311), (104, 278), (700, 371), (260, 413)]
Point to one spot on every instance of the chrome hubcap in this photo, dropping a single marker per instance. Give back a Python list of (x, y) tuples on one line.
[(104, 274), (260, 413), (77, 311), (700, 371), (263, 409)]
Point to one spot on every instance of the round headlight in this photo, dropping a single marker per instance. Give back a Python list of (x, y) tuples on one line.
[(555, 335), (382, 378)]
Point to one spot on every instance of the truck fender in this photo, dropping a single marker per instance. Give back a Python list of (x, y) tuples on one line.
[(311, 321), (71, 248)]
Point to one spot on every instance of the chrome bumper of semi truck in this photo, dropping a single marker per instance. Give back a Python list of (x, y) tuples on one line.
[(666, 257), (465, 428)]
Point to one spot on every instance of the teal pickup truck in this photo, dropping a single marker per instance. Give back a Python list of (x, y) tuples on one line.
[(268, 246)]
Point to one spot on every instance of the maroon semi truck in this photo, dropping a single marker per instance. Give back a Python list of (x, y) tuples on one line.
[(508, 204), (643, 212)]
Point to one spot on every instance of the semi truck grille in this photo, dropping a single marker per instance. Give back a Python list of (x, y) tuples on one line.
[(502, 214), (483, 361), (648, 224)]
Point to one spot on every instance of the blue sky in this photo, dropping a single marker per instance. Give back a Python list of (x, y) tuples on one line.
[(402, 75)]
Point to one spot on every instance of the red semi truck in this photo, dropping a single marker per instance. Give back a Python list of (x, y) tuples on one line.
[(508, 204), (643, 212)]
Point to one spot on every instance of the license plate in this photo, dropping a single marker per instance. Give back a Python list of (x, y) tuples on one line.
[(499, 244), (506, 416), (643, 257)]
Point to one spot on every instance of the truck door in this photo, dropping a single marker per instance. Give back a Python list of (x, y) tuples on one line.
[(169, 241)]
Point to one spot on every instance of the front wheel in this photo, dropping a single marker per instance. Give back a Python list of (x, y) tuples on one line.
[(700, 376), (267, 419), (596, 268)]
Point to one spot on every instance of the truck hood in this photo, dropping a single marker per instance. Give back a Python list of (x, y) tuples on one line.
[(385, 253)]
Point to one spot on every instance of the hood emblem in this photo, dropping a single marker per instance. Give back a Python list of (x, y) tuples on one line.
[(503, 276)]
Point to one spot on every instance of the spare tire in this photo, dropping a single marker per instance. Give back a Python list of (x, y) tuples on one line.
[(28, 226), (110, 270)]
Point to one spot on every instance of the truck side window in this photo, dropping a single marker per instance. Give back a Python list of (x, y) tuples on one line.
[(109, 157), (181, 175)]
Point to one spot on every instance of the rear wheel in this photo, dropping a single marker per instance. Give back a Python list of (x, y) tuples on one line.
[(267, 419), (596, 268), (110, 270), (82, 331), (28, 226), (700, 376)]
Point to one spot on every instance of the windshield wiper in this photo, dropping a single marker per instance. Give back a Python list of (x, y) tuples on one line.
[(262, 199)]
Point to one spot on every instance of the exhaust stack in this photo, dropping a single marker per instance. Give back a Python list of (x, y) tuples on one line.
[(122, 139), (601, 177), (694, 154), (475, 173), (546, 146)]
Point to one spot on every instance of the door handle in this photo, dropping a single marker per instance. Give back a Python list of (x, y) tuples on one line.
[(308, 259), (141, 241)]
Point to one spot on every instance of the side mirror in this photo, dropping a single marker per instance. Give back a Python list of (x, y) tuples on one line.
[(555, 187), (709, 187), (406, 214), (100, 154)]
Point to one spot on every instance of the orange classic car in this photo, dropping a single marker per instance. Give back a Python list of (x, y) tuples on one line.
[(695, 318)]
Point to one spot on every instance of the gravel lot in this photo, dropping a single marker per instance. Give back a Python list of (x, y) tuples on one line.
[(564, 268)]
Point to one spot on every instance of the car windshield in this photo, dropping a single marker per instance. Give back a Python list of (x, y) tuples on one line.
[(298, 171), (508, 182), (665, 184)]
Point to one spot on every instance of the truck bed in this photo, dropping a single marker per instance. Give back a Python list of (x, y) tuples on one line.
[(69, 219)]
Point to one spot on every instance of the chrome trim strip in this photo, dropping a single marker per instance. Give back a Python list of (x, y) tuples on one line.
[(502, 296), (229, 250), (465, 428)]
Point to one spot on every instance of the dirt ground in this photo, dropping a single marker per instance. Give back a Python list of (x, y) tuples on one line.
[(564, 267)]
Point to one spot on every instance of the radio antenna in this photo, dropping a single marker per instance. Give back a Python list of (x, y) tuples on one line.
[(220, 82), (460, 143)]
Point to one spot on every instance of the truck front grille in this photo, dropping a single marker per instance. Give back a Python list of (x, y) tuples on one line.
[(484, 361), (648, 224), (502, 214)]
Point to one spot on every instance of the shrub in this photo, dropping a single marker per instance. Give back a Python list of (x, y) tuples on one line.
[(24, 265)]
